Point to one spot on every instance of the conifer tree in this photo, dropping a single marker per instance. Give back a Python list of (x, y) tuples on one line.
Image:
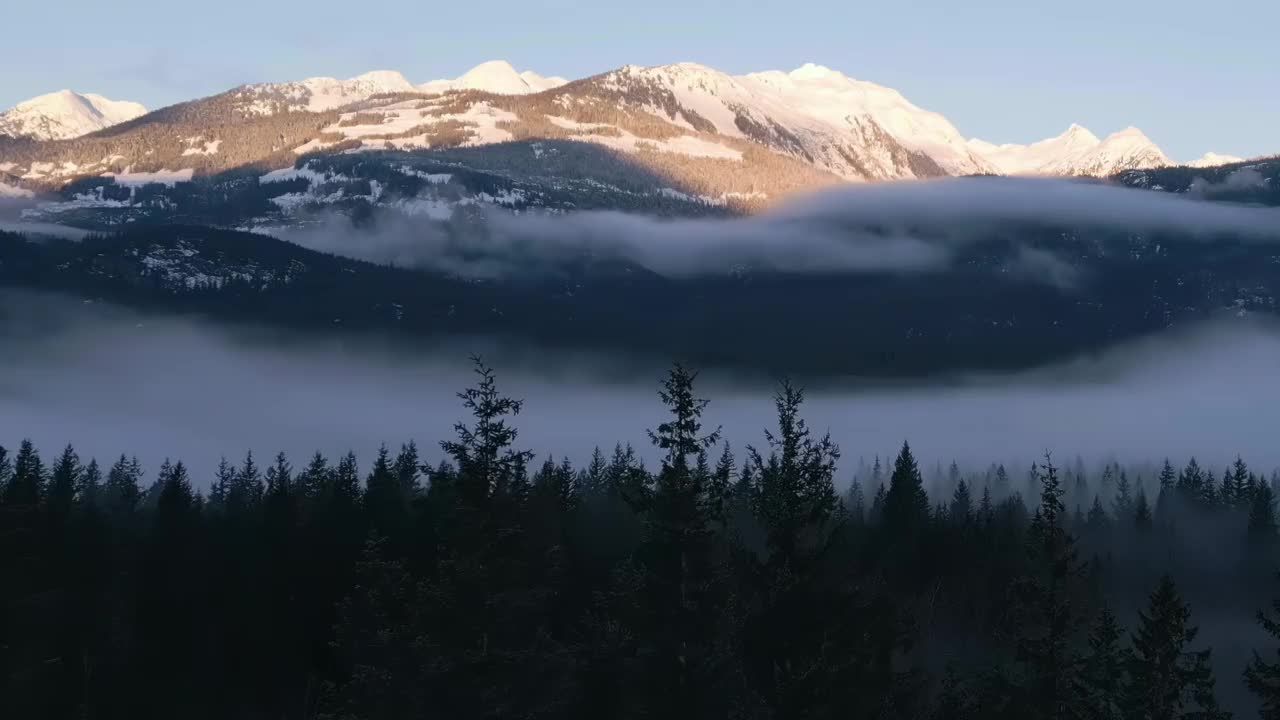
[(89, 490), (63, 481), (1047, 616), (26, 486), (1103, 670), (1262, 677), (1097, 520), (1002, 482), (1141, 513), (1122, 503), (1164, 678), (961, 511), (1262, 523), (906, 505), (876, 515), (122, 490), (856, 503), (796, 498), (681, 597), (1164, 498)]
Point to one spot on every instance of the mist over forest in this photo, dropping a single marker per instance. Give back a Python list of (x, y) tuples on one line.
[(107, 378)]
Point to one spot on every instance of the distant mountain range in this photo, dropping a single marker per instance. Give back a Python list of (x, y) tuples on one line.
[(731, 140)]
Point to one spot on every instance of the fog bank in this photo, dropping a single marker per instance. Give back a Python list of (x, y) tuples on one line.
[(110, 381)]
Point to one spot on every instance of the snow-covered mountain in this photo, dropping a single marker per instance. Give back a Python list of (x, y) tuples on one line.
[(319, 94), (684, 129), (495, 76), (1075, 152), (1079, 152), (1213, 159), (65, 114), (852, 128)]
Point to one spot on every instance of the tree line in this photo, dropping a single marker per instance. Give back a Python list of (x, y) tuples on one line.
[(717, 584)]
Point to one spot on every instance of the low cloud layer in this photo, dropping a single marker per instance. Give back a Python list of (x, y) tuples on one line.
[(113, 381), (904, 227)]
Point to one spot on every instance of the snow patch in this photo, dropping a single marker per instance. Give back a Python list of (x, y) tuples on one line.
[(161, 177)]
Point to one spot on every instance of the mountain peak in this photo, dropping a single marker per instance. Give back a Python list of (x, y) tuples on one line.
[(495, 76), (65, 114), (812, 71)]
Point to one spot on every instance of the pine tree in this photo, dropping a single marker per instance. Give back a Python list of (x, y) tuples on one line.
[(680, 592), (1002, 483), (906, 505), (876, 515), (1262, 523), (1262, 677), (1122, 503), (26, 486), (986, 510), (63, 481), (1046, 646), (796, 498), (1097, 520), (1239, 481), (961, 511), (1163, 677), (89, 490), (1141, 513), (856, 503), (313, 479), (1164, 499), (594, 480), (1103, 670), (487, 466), (122, 491)]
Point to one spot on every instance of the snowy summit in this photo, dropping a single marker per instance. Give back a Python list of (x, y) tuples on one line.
[(65, 114)]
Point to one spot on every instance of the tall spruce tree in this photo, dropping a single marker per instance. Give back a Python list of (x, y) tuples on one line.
[(906, 504), (1262, 677), (1165, 680)]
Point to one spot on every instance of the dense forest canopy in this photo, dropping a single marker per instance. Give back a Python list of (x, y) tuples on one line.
[(477, 579)]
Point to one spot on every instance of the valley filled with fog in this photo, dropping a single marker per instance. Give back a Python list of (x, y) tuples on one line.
[(111, 380)]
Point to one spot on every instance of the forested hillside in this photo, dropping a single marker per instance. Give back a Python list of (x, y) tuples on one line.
[(474, 579), (1095, 290)]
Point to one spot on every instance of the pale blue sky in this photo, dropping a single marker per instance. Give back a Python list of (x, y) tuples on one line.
[(1195, 75)]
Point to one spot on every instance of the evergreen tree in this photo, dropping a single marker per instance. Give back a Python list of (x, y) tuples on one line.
[(63, 482), (1047, 616), (986, 510), (906, 505), (1164, 679), (1097, 520), (26, 485), (1262, 677), (1237, 485), (1002, 482), (681, 596), (1122, 503), (1103, 670), (1262, 523), (1164, 499), (961, 511), (856, 503), (594, 480), (1141, 513), (122, 491), (89, 490), (796, 498), (876, 515)]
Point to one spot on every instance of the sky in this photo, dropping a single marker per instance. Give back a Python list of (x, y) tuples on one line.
[(1194, 76)]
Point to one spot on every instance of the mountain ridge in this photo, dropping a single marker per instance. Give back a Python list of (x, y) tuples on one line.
[(716, 135)]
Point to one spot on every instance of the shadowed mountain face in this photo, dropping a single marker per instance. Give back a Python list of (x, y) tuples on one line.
[(858, 301)]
